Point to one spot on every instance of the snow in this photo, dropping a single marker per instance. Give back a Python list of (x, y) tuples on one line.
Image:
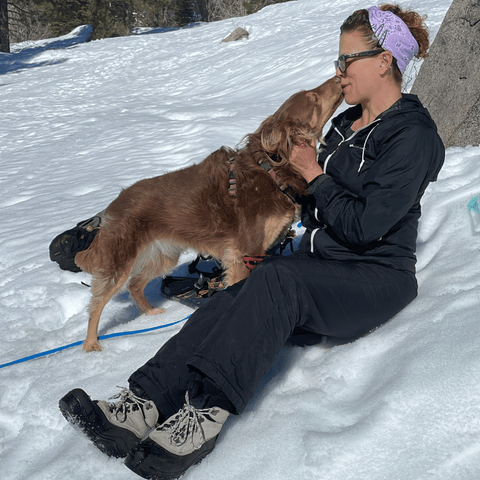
[(23, 53), (80, 122)]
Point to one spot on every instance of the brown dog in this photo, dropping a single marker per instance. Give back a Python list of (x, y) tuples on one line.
[(152, 222)]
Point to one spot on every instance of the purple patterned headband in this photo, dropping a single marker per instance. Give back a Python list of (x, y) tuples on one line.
[(393, 35)]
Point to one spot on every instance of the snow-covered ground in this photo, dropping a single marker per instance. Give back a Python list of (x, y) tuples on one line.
[(402, 403)]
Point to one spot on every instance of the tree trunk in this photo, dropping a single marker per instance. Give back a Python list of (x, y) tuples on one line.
[(4, 38), (202, 9)]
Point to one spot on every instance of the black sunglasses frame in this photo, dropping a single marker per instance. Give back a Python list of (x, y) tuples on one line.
[(341, 63)]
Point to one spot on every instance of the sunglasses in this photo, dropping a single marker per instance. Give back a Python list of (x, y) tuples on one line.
[(341, 61)]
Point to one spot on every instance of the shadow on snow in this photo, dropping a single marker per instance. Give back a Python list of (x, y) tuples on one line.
[(10, 62)]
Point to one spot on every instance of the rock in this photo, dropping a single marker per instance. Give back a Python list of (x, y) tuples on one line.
[(237, 34), (448, 82)]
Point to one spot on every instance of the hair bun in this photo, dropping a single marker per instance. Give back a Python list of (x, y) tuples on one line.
[(415, 23)]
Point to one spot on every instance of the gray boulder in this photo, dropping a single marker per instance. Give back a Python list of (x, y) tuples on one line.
[(448, 83), (237, 34)]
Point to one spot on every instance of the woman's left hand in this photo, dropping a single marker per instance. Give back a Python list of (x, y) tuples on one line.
[(304, 159)]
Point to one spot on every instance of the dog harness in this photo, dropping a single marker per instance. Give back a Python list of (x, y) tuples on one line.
[(232, 181), (285, 189)]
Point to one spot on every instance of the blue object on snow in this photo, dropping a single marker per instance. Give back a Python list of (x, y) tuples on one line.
[(474, 209), (101, 337)]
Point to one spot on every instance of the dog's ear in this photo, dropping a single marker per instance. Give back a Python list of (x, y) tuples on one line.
[(314, 98), (294, 133), (280, 136), (269, 134)]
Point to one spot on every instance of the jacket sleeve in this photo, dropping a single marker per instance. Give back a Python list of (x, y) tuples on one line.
[(404, 165)]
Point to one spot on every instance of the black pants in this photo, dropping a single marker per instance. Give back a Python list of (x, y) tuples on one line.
[(234, 339)]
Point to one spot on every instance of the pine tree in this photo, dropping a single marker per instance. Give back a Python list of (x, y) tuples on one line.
[(110, 18), (185, 12), (123, 13), (25, 21), (253, 6), (154, 13), (202, 9), (102, 19), (66, 15)]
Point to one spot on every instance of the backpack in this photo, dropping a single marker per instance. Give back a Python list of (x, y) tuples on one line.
[(65, 246)]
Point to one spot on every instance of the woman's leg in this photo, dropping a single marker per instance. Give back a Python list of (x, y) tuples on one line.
[(165, 378), (223, 352), (235, 338)]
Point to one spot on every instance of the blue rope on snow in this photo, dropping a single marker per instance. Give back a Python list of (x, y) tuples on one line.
[(101, 337)]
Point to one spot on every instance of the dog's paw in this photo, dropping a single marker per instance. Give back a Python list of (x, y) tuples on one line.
[(90, 346), (155, 311)]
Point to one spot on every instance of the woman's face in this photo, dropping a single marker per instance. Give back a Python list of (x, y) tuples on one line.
[(359, 81)]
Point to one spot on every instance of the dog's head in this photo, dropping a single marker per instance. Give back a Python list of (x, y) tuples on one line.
[(300, 119)]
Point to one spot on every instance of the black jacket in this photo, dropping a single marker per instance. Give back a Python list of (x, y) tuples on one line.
[(367, 204)]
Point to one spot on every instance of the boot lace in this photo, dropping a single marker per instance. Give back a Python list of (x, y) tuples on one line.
[(186, 423), (128, 403)]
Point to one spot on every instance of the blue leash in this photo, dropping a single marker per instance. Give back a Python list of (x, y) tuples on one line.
[(102, 337)]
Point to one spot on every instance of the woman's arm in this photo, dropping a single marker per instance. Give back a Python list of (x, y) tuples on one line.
[(390, 187)]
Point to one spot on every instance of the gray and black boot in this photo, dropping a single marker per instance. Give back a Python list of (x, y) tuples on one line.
[(113, 427), (180, 442)]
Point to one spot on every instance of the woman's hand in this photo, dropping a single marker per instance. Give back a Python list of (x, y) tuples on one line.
[(304, 160)]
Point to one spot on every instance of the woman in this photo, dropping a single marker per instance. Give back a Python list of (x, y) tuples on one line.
[(355, 268)]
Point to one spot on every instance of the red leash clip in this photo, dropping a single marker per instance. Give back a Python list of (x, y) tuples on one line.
[(253, 261)]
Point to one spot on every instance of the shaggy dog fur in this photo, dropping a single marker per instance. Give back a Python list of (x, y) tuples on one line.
[(152, 222)]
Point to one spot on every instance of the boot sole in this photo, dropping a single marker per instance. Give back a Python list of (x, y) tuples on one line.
[(152, 462), (83, 413)]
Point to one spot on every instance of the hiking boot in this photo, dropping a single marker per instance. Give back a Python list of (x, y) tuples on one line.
[(180, 442), (113, 427)]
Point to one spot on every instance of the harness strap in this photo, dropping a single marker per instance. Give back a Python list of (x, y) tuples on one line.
[(286, 189), (251, 261), (232, 181)]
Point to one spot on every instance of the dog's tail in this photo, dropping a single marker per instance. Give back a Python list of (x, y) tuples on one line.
[(88, 259), (112, 249)]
